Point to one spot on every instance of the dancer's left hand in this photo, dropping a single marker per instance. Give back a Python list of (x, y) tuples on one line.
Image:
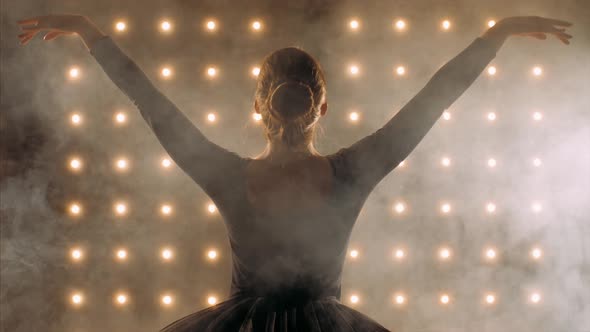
[(61, 24)]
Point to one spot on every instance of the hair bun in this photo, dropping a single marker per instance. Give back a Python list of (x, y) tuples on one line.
[(291, 99)]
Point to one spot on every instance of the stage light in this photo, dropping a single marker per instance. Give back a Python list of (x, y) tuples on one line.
[(491, 207), (492, 163), (212, 300), (121, 254), (167, 300), (399, 299), (211, 25), (122, 164), (75, 209), (535, 297), (446, 24), (536, 253), (490, 254), (400, 70), (76, 119), (120, 208), (167, 254), (446, 115), (537, 207), (77, 299), (120, 118), (399, 207), (492, 71), (166, 163), (490, 298), (445, 161), (257, 117), (76, 254), (399, 254), (165, 26), (255, 71), (166, 72), (354, 299), (74, 72), (400, 25), (120, 26), (537, 116), (491, 23), (257, 25), (120, 298), (445, 299), (212, 254), (75, 164), (354, 24), (537, 71), (445, 208), (444, 253), (211, 208), (491, 116), (537, 162), (353, 70), (166, 209), (353, 116), (211, 117), (354, 253), (402, 163), (212, 72)]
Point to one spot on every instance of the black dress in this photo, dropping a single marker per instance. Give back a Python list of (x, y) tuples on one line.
[(291, 280)]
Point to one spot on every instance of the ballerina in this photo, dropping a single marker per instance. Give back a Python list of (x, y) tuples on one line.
[(289, 212)]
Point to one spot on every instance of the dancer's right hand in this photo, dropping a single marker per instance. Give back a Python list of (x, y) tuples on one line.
[(62, 24), (533, 26)]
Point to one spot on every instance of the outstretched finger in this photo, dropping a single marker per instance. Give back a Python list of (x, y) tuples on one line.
[(558, 22), (33, 20)]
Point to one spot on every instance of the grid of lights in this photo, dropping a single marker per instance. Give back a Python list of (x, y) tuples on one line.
[(121, 208)]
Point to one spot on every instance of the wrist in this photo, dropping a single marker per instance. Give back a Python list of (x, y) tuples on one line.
[(88, 32)]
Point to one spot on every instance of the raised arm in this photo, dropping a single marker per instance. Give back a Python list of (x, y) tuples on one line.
[(370, 159)]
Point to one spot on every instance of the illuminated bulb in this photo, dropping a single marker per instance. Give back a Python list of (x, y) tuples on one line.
[(537, 71), (354, 299), (537, 207), (536, 162), (400, 207), (165, 26), (257, 116), (400, 299), (212, 254), (120, 117), (491, 70), (211, 71), (445, 299), (75, 164), (354, 116), (491, 207), (167, 254), (120, 208), (490, 254), (76, 119), (446, 208), (211, 25), (121, 299), (166, 209), (166, 72), (354, 24), (75, 208), (256, 71), (491, 162), (490, 298), (211, 117), (491, 23), (400, 24), (444, 253), (446, 24), (74, 72), (400, 70), (122, 164), (167, 299), (491, 116), (212, 300), (537, 116), (536, 253), (256, 25), (211, 208), (446, 162), (77, 298), (120, 26), (121, 254), (354, 70), (354, 253), (166, 163), (535, 298), (76, 254), (399, 254), (446, 115)]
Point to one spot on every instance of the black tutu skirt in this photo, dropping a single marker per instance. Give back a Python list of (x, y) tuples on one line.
[(262, 314)]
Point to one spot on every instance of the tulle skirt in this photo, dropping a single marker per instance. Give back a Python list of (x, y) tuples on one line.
[(262, 314)]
